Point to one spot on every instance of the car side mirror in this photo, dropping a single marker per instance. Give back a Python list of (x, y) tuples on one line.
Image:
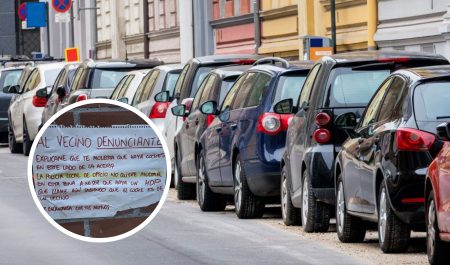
[(443, 131), (209, 108), (61, 92), (179, 110), (285, 106), (42, 93), (11, 89), (6, 89), (346, 121), (163, 96), (123, 100)]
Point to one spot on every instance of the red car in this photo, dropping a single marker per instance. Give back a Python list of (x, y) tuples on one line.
[(438, 203)]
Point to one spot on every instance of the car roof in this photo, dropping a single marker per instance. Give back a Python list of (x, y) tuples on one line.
[(170, 67), (277, 68), (139, 72), (360, 56), (427, 73), (134, 63), (50, 66), (232, 70), (223, 58)]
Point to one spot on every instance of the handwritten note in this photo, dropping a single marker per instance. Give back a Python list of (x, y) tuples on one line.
[(96, 172)]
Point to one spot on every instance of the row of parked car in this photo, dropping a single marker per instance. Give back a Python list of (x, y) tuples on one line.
[(351, 136)]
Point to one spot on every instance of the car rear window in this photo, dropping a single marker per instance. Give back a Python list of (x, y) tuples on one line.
[(108, 78), (50, 76), (171, 82), (289, 86), (348, 87), (9, 78), (431, 101)]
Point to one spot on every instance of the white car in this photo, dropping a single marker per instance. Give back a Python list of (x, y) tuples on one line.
[(127, 87), (25, 111)]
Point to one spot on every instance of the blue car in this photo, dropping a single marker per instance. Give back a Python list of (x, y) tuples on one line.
[(241, 150)]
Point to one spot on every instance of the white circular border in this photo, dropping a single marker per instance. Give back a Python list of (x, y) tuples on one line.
[(92, 239)]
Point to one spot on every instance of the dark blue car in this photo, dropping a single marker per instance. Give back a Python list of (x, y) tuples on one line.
[(241, 150)]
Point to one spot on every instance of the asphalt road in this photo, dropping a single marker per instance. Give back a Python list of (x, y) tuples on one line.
[(180, 234)]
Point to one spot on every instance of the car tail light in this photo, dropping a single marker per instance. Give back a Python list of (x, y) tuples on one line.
[(322, 119), (273, 123), (414, 140), (413, 200), (394, 60), (244, 61), (322, 136), (209, 119), (159, 110), (39, 102), (81, 97)]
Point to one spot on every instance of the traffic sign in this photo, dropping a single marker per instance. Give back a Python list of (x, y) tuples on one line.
[(36, 14), (72, 55), (61, 6), (22, 12)]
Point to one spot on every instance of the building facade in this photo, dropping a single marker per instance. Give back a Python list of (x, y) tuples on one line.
[(139, 28), (423, 26)]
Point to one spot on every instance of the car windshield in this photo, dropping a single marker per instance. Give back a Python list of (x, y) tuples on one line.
[(9, 78), (108, 78), (171, 82), (431, 101), (289, 86), (348, 87), (202, 72), (50, 76)]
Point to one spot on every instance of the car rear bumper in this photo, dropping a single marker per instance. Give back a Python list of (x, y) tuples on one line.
[(263, 178), (3, 125)]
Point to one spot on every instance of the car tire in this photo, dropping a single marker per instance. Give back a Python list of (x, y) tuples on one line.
[(206, 198), (14, 147), (350, 229), (315, 214), (27, 143), (290, 214), (393, 233), (247, 205), (185, 191), (437, 250)]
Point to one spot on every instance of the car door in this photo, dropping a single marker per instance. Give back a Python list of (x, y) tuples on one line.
[(18, 113), (230, 128), (295, 140), (389, 111), (213, 134), (142, 99), (53, 100), (354, 184)]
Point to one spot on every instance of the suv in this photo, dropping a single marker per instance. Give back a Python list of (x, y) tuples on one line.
[(215, 87), (98, 79), (8, 77), (240, 152), (336, 85), (190, 79)]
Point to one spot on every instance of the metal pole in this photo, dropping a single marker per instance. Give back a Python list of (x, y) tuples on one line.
[(72, 27), (146, 31), (48, 30), (333, 23), (257, 25)]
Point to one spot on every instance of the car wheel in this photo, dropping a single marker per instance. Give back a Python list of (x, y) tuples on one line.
[(14, 146), (436, 249), (185, 191), (206, 198), (27, 143), (247, 205), (315, 214), (350, 229), (290, 214), (393, 234)]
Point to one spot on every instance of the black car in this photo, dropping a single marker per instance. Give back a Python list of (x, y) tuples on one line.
[(8, 77), (98, 79), (336, 85), (215, 87), (381, 169)]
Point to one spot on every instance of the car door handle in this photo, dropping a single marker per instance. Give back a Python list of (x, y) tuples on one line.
[(218, 129), (233, 126)]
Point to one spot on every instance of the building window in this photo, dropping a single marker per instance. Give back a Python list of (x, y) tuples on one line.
[(428, 48), (231, 8)]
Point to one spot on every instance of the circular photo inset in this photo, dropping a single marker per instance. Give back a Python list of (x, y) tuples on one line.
[(98, 170)]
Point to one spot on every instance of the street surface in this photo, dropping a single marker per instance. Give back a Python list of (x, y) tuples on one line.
[(180, 234)]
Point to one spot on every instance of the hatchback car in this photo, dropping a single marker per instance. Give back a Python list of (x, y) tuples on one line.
[(98, 79), (381, 169), (187, 86), (25, 111), (161, 78), (437, 199), (60, 89), (8, 77), (336, 85), (241, 150), (127, 87), (215, 87)]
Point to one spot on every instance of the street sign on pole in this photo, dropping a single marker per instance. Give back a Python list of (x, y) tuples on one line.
[(22, 12), (61, 6), (36, 14), (72, 55), (62, 17)]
